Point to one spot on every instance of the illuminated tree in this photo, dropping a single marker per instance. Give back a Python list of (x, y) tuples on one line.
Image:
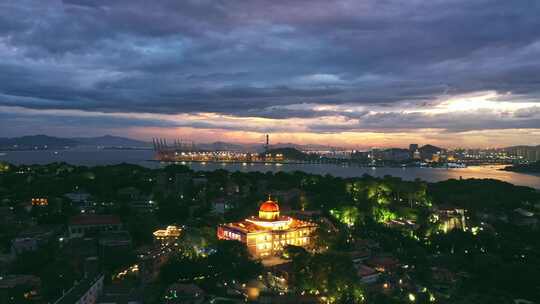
[(383, 215), (379, 193), (4, 167), (347, 215), (304, 203), (357, 190)]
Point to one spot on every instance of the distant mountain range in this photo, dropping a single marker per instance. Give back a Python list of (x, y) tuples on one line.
[(225, 146), (23, 142), (40, 142), (222, 146), (293, 153), (309, 147), (514, 148), (111, 141)]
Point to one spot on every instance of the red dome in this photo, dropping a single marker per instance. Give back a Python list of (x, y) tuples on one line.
[(269, 206)]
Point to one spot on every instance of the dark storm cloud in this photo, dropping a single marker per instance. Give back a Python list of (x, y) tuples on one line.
[(244, 58), (451, 123)]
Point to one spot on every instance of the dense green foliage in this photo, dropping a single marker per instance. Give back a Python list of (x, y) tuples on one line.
[(479, 194), (230, 262), (501, 261), (331, 274)]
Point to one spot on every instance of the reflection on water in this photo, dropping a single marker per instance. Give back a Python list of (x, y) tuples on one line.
[(142, 157), (427, 174)]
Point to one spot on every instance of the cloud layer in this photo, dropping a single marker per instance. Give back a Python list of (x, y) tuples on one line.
[(332, 68)]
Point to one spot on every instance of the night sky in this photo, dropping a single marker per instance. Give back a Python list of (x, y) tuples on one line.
[(349, 73)]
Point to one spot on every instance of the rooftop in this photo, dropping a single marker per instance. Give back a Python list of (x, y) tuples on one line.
[(78, 290), (89, 220), (383, 262), (12, 280), (248, 225), (115, 238), (170, 231), (269, 206), (365, 271), (40, 231)]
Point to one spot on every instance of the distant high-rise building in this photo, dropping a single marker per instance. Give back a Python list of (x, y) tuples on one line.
[(528, 153), (413, 151), (267, 143)]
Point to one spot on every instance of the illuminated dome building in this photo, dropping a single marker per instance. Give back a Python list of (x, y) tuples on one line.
[(268, 233), (269, 210), (168, 236)]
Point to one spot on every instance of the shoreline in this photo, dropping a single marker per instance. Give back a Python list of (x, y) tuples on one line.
[(521, 172), (145, 158)]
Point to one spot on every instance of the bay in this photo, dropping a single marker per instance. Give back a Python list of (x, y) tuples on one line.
[(95, 157)]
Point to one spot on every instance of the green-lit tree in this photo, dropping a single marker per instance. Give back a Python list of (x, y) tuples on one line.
[(383, 214), (347, 215)]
